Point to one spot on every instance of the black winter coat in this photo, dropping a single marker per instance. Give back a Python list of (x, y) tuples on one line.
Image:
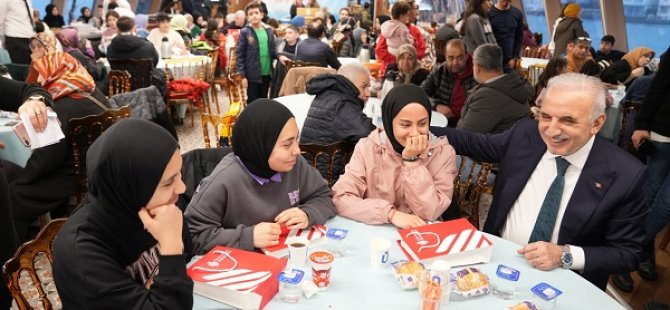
[(336, 114)]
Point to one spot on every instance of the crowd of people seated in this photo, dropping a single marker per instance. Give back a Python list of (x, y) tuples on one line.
[(563, 190)]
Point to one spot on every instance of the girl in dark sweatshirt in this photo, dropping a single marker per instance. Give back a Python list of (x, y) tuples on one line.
[(108, 254)]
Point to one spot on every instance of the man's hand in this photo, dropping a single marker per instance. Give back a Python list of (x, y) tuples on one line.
[(542, 255), (414, 146), (266, 234), (638, 136), (284, 60), (512, 63), (245, 83), (37, 111), (403, 220), (293, 218), (444, 109), (164, 223)]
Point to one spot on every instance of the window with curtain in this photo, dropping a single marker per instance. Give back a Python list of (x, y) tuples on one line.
[(439, 10), (648, 24), (591, 19), (536, 20), (41, 6)]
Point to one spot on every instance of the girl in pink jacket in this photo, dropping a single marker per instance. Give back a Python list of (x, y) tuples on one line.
[(402, 175)]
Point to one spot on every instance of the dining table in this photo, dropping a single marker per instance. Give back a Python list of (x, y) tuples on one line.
[(299, 105), (356, 284)]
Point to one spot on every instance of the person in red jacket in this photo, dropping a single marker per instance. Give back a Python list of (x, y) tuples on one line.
[(382, 51)]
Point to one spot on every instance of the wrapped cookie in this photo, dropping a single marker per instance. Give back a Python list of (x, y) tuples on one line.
[(407, 273), (469, 282)]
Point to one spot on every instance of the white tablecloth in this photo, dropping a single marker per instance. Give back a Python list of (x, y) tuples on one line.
[(299, 105), (356, 285), (527, 62)]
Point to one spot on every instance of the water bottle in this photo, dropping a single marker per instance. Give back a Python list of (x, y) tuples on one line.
[(166, 49), (364, 56)]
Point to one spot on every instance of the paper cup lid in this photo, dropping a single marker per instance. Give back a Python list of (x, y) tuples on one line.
[(322, 257)]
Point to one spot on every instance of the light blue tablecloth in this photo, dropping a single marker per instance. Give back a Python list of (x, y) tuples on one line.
[(357, 285), (14, 150)]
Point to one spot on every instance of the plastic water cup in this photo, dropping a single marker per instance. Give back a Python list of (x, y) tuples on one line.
[(379, 252)]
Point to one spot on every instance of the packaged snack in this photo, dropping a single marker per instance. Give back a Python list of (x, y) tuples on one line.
[(525, 305), (469, 282), (407, 273)]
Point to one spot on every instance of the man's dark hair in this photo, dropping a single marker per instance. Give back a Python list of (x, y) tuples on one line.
[(112, 5), (273, 23), (125, 24), (400, 8), (162, 17), (608, 38), (315, 30), (345, 9), (253, 5)]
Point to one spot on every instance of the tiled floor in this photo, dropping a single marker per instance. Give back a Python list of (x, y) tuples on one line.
[(191, 137)]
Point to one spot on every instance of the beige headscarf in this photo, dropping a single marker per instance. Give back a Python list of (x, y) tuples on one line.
[(634, 56), (408, 49)]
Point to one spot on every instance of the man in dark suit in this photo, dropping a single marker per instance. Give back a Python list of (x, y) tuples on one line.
[(571, 198)]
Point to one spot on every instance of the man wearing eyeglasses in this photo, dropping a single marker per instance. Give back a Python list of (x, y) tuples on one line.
[(578, 53)]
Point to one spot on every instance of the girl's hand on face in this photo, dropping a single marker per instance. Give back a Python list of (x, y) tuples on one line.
[(415, 146), (165, 224)]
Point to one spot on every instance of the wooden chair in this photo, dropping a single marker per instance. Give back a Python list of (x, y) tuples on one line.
[(179, 68), (82, 133), (439, 48), (41, 292), (297, 78), (327, 158), (139, 69), (213, 79), (119, 82), (222, 126), (534, 72), (472, 181), (535, 52), (624, 137), (298, 64)]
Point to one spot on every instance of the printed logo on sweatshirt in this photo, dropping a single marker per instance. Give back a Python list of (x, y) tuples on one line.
[(294, 196), (145, 268)]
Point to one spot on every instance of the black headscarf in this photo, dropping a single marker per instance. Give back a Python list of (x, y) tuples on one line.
[(395, 100), (255, 134), (53, 21), (124, 166)]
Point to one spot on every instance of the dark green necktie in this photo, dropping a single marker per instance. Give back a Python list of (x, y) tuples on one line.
[(546, 220)]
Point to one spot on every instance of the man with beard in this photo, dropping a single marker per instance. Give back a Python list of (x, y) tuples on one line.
[(448, 85)]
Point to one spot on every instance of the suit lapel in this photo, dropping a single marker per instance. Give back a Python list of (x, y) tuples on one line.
[(520, 167), (593, 183)]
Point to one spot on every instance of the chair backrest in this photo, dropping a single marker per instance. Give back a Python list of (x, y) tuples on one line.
[(439, 47), (534, 72), (299, 63), (139, 69), (222, 127), (472, 181), (232, 60), (535, 52), (82, 133), (28, 273), (327, 158), (119, 82), (191, 67), (629, 107)]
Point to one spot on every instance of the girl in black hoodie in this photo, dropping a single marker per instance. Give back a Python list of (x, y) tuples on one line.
[(108, 254)]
